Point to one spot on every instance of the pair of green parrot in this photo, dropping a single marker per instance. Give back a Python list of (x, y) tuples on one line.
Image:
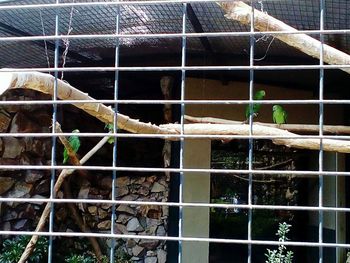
[(279, 115)]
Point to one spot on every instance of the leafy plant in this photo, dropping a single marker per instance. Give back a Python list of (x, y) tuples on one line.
[(120, 257), (282, 255), (80, 259), (13, 248)]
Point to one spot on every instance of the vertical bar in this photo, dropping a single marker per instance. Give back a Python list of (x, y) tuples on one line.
[(53, 148), (337, 250), (182, 119), (321, 112), (115, 130), (251, 141)]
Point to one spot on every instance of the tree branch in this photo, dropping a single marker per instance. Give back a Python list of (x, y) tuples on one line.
[(239, 11), (73, 158), (63, 175), (292, 140), (45, 83), (299, 128)]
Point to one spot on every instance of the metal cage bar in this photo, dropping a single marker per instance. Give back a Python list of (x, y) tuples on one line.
[(252, 69)]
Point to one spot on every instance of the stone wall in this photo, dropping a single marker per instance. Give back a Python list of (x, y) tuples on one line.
[(139, 220)]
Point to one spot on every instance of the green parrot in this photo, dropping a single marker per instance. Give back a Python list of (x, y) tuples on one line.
[(279, 115), (259, 95), (110, 128), (74, 142)]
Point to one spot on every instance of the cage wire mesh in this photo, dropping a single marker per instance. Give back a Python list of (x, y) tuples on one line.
[(174, 131)]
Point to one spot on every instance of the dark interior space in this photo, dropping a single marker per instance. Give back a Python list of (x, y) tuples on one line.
[(267, 190)]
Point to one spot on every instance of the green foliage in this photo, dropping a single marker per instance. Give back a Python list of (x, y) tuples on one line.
[(13, 248), (282, 255), (120, 257), (80, 259)]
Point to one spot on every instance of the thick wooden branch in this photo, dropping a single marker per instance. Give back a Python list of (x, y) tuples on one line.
[(45, 83), (239, 11), (298, 128), (259, 130)]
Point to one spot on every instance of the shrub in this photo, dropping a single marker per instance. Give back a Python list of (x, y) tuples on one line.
[(282, 255), (13, 248)]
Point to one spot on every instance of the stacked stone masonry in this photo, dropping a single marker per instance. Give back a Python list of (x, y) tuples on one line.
[(130, 219)]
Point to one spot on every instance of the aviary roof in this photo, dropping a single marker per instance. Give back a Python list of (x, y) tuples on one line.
[(165, 18)]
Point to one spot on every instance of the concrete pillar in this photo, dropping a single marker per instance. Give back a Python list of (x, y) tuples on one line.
[(196, 189)]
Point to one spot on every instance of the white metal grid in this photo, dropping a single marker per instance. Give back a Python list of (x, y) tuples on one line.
[(186, 34)]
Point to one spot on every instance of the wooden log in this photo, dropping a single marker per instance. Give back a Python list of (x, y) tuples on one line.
[(239, 11)]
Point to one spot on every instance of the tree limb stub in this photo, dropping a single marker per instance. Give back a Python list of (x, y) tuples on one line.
[(239, 11), (44, 83), (298, 128), (260, 130)]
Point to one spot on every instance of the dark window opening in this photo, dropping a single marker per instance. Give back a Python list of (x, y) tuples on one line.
[(280, 189)]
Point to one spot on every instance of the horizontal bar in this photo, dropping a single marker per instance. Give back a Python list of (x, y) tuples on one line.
[(176, 102), (172, 136), (173, 35), (176, 68), (174, 170), (174, 204), (107, 3), (171, 238)]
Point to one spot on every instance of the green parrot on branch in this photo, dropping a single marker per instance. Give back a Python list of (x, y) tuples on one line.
[(110, 128), (254, 110), (74, 142), (279, 114)]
